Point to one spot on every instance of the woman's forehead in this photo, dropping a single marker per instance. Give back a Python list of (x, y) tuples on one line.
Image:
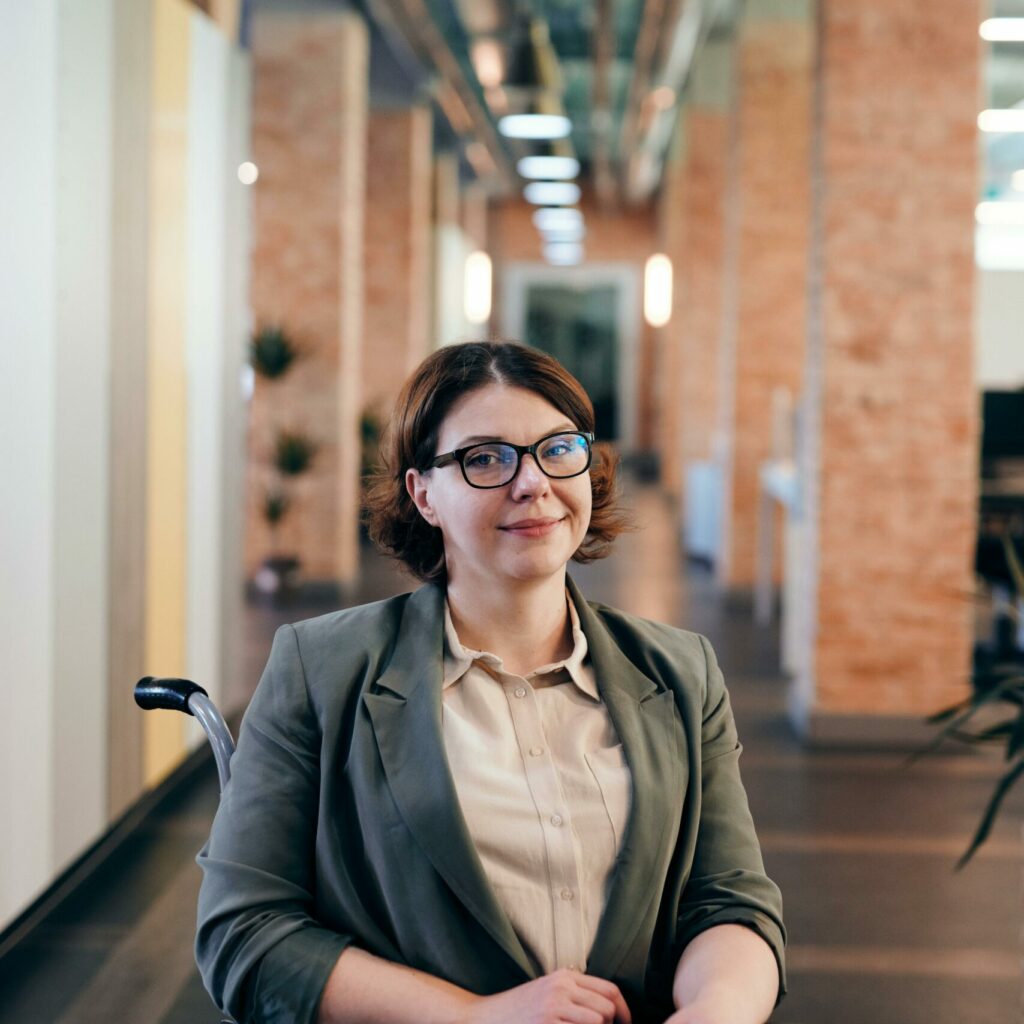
[(500, 411)]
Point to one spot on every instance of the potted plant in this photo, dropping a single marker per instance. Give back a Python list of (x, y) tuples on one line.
[(272, 352), (999, 690), (279, 575)]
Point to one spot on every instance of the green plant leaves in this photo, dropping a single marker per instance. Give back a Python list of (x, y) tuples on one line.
[(293, 452), (272, 352), (990, 812)]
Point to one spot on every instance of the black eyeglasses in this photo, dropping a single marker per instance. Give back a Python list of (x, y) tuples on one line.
[(495, 463)]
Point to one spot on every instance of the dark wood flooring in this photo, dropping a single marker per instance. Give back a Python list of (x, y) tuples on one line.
[(881, 929)]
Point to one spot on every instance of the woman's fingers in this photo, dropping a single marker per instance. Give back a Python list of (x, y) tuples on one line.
[(612, 999)]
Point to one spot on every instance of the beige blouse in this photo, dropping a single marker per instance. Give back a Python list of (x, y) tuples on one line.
[(544, 788)]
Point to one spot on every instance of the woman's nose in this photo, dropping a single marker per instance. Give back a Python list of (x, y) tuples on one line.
[(529, 480)]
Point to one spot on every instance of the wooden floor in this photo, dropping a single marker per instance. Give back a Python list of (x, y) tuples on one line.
[(881, 929)]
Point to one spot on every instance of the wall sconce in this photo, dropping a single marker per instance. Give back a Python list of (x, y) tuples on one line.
[(476, 290), (658, 290)]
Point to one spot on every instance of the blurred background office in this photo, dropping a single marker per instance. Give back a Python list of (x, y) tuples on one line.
[(781, 243)]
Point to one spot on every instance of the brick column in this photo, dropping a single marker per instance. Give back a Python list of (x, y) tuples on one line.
[(398, 200), (765, 337), (890, 452), (309, 141), (672, 240), (694, 240)]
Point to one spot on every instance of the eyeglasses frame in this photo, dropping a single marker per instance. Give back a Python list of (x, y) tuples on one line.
[(459, 455)]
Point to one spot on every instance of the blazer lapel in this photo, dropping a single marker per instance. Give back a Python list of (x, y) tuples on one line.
[(407, 724), (652, 736)]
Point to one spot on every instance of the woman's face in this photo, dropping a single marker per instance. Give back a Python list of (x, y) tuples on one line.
[(488, 533)]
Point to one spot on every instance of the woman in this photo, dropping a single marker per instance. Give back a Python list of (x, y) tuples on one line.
[(489, 801)]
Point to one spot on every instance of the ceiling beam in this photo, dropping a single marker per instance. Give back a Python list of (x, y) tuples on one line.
[(453, 92), (601, 120)]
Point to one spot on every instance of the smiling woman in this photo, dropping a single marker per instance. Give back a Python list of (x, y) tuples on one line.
[(490, 800)]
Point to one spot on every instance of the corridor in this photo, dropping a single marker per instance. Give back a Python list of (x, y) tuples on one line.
[(880, 929)]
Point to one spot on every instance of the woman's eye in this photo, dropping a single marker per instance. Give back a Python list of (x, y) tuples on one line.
[(558, 448), (481, 459)]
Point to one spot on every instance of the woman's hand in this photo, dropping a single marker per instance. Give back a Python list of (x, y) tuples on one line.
[(562, 997)]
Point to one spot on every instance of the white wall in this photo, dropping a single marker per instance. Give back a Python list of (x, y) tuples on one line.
[(55, 57), (28, 262), (999, 330), (60, 313), (217, 327)]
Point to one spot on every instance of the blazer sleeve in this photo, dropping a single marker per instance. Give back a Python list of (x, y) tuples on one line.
[(727, 882), (262, 955)]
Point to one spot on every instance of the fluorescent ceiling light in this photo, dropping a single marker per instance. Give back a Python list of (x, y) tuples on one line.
[(570, 233), (999, 248), (658, 290), (999, 213), (553, 168), (1010, 120), (1017, 180), (1002, 30), (551, 218), (477, 288), (565, 254), (535, 126), (552, 193)]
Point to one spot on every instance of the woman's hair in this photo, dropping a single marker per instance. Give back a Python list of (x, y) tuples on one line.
[(410, 442)]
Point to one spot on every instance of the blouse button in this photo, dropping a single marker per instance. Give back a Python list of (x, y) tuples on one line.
[(567, 894), (520, 691), (556, 819), (536, 751)]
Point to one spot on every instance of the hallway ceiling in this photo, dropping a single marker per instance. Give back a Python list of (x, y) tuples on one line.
[(615, 68)]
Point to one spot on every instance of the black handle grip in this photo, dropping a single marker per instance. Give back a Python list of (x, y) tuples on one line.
[(170, 694)]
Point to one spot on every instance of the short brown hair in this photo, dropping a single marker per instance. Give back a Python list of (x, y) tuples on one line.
[(393, 521)]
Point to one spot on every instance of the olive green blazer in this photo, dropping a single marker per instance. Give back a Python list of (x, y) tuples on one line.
[(341, 822)]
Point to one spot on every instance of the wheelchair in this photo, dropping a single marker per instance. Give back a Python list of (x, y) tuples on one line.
[(153, 693)]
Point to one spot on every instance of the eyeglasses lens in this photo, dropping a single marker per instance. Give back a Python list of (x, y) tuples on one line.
[(491, 465)]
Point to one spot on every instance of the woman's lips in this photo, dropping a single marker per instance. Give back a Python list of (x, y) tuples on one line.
[(531, 527)]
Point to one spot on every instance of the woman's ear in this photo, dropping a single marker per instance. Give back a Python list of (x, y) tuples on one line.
[(416, 485)]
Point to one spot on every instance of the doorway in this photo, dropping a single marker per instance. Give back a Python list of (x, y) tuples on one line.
[(586, 318)]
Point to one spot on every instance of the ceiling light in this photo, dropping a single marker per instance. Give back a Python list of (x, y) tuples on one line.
[(663, 97), (488, 62), (552, 168), (1010, 120), (551, 218), (1002, 30), (535, 126), (248, 172), (570, 233), (658, 290), (477, 288), (999, 213), (563, 254), (552, 193)]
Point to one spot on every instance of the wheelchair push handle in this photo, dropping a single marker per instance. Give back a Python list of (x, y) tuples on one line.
[(154, 692)]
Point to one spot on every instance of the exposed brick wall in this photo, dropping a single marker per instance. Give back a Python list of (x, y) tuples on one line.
[(673, 237), (893, 470), (398, 211), (772, 211), (702, 276), (309, 84)]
